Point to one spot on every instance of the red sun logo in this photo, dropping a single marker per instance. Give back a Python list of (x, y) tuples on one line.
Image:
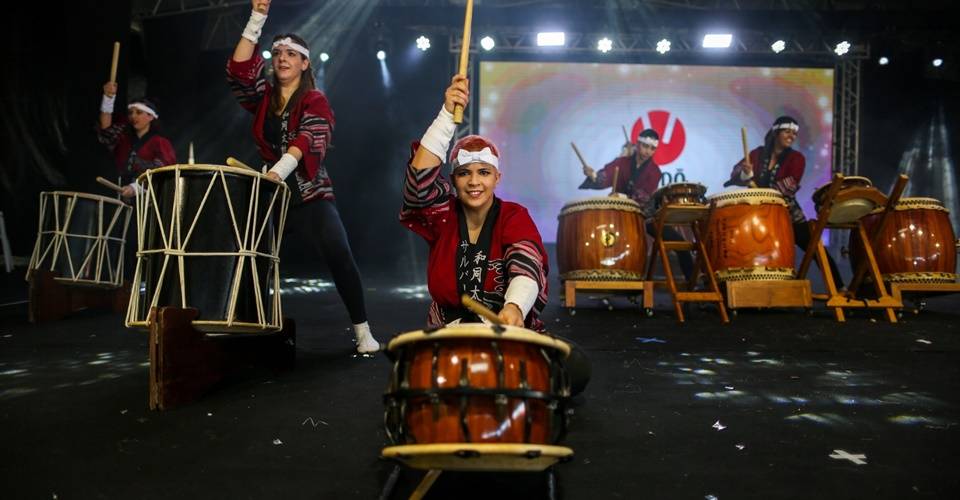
[(670, 147)]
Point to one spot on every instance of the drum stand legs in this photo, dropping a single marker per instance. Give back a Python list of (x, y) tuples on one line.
[(815, 250), (689, 216), (186, 363), (51, 300)]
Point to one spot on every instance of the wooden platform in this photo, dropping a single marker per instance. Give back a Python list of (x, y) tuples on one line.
[(571, 287), (779, 293), (52, 299)]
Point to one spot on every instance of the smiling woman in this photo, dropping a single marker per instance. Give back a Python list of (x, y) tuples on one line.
[(479, 245)]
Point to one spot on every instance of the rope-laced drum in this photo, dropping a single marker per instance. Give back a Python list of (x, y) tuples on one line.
[(81, 238), (477, 397), (750, 236), (916, 245), (209, 238), (601, 238)]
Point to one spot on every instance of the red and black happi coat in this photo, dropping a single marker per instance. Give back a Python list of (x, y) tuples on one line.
[(784, 176), (135, 155), (455, 266), (308, 126), (639, 182)]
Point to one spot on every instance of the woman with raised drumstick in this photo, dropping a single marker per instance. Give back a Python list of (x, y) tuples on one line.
[(136, 142), (637, 175), (778, 166), (293, 126), (481, 246)]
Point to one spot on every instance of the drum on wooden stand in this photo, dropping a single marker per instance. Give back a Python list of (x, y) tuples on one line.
[(477, 397), (750, 236), (917, 244), (81, 238), (601, 238), (857, 197), (209, 238)]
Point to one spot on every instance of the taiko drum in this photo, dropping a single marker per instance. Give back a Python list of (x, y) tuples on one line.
[(601, 238), (750, 236)]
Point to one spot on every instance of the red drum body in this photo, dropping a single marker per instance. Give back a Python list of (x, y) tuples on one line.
[(601, 238), (750, 236)]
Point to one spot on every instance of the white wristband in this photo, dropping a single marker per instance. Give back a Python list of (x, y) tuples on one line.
[(744, 176), (106, 104), (254, 26), (285, 165), (136, 187), (437, 138), (523, 292)]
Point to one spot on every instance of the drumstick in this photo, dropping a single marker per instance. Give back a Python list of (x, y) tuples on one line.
[(580, 156), (616, 173), (233, 162), (480, 309), (746, 152), (626, 137), (113, 64), (190, 160), (464, 56), (110, 185)]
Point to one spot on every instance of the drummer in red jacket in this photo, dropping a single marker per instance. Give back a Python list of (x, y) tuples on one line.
[(638, 176), (778, 166)]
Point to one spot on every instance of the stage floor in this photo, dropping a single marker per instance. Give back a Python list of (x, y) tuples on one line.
[(754, 409)]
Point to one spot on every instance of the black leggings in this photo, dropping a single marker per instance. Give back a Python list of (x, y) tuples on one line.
[(801, 234), (318, 223), (671, 234)]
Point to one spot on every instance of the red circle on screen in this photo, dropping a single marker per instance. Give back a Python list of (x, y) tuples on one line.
[(670, 147)]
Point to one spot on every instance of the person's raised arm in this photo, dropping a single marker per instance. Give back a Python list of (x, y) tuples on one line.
[(106, 104), (436, 140), (251, 33)]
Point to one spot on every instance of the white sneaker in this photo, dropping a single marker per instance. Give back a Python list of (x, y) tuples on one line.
[(365, 342)]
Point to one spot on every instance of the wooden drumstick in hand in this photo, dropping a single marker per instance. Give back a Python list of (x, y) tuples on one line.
[(110, 185), (233, 162), (626, 136), (464, 56), (746, 153), (480, 309), (586, 168), (113, 63)]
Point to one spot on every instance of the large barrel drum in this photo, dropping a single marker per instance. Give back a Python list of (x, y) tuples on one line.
[(750, 236), (917, 244), (601, 238)]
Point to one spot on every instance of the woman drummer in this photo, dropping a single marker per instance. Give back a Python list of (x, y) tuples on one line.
[(293, 127), (778, 166), (637, 176), (480, 245), (136, 142)]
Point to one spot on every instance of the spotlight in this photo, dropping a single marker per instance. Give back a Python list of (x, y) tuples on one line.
[(883, 61), (551, 39), (423, 43), (717, 40), (778, 46), (381, 55), (488, 43), (604, 45), (663, 46), (937, 62), (267, 54), (324, 57), (842, 48)]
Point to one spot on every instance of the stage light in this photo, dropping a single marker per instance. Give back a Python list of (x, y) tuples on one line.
[(842, 48), (488, 43), (717, 40), (423, 43), (663, 46), (937, 62), (551, 39), (604, 45), (266, 54), (778, 46), (324, 57), (883, 61), (381, 55)]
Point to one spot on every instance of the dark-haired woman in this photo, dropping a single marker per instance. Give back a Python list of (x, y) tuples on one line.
[(637, 176), (136, 142), (293, 126), (778, 166), (480, 245)]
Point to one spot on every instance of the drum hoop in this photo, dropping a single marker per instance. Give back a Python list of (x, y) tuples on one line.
[(602, 203), (88, 196), (920, 277), (757, 196), (601, 275), (207, 167), (481, 331), (531, 457), (921, 203), (756, 273)]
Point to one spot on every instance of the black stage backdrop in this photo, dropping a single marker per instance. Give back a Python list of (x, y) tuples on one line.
[(58, 58)]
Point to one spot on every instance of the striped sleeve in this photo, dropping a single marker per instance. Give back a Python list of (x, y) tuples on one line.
[(426, 196), (110, 135), (315, 130), (247, 82), (524, 258)]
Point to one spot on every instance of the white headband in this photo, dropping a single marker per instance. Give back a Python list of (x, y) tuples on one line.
[(465, 157), (293, 45), (649, 141), (786, 125), (143, 107)]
